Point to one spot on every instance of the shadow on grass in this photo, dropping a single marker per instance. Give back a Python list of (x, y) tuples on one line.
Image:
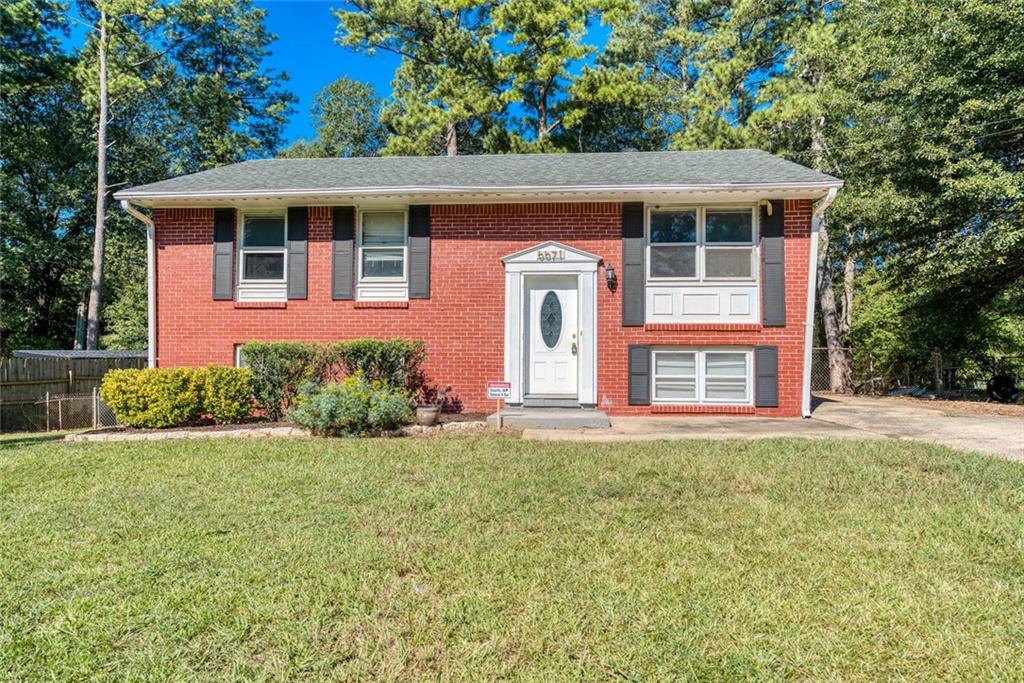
[(20, 440)]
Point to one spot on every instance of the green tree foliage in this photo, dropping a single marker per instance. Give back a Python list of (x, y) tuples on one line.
[(546, 39), (185, 91), (45, 180), (447, 86), (934, 162), (228, 105), (346, 114), (478, 75)]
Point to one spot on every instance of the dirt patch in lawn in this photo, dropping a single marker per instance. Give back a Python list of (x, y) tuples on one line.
[(973, 407)]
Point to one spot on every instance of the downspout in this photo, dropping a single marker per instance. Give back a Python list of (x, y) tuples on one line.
[(127, 207), (812, 293)]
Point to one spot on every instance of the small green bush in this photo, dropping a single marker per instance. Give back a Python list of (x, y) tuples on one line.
[(154, 397), (174, 397), (227, 394), (354, 406), (278, 370)]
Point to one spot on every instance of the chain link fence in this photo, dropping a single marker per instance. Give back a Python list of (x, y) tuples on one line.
[(939, 375), (58, 412)]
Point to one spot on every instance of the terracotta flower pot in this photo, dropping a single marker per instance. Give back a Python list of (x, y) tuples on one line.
[(426, 416)]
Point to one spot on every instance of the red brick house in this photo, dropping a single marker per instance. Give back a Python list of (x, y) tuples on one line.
[(657, 282)]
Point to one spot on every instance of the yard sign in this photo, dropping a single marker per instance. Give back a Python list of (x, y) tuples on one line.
[(499, 391)]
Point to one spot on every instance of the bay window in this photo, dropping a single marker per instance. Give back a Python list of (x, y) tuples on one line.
[(701, 244), (263, 248), (702, 375)]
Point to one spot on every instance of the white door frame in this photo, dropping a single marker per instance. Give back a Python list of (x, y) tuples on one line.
[(551, 258)]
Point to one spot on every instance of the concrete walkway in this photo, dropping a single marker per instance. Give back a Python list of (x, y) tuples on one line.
[(842, 417)]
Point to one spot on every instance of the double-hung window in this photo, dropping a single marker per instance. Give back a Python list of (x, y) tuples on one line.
[(702, 375), (701, 244), (263, 248), (382, 246), (673, 240), (728, 244)]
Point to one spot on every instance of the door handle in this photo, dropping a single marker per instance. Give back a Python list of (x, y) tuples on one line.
[(574, 345)]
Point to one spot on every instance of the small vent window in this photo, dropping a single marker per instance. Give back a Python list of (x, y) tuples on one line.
[(551, 320)]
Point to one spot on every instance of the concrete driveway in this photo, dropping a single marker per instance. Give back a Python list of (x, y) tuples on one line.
[(834, 417)]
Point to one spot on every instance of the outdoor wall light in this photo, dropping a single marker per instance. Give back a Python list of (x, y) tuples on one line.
[(609, 277)]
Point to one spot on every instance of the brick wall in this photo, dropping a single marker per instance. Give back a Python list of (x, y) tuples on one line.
[(463, 322)]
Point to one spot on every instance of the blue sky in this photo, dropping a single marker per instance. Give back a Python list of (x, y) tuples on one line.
[(306, 50)]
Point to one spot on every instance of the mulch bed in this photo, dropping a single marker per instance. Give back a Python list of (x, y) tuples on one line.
[(462, 417), (195, 428), (444, 419)]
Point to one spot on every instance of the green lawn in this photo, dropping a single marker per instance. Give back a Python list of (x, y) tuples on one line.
[(470, 558)]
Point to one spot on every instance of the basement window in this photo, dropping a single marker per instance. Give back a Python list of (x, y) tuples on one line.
[(683, 375)]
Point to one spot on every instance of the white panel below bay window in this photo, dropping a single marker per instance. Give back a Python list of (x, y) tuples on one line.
[(702, 304)]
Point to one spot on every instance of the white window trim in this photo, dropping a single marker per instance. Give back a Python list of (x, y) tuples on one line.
[(390, 281), (243, 250), (702, 246), (701, 375)]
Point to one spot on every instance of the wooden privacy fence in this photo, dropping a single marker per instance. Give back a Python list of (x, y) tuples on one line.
[(28, 387)]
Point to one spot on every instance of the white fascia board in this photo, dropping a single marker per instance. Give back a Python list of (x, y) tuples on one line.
[(463, 195)]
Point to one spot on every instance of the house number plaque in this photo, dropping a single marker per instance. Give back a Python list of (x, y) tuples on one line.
[(551, 255)]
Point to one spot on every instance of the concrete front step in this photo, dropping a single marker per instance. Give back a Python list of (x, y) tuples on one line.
[(543, 401), (551, 418)]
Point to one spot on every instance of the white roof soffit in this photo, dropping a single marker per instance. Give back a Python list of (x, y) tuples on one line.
[(453, 195)]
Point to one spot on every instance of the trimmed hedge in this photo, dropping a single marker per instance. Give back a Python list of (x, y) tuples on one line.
[(227, 394), (279, 369), (174, 397)]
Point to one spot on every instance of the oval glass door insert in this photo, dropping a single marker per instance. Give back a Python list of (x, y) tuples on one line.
[(551, 320)]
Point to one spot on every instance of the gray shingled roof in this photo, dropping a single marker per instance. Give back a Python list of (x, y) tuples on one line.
[(725, 168)]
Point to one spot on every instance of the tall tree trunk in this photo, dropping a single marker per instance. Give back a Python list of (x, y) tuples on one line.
[(451, 140), (542, 114), (840, 376), (96, 286), (838, 361), (849, 273)]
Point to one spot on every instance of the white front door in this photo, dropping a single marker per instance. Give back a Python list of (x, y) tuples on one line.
[(552, 331)]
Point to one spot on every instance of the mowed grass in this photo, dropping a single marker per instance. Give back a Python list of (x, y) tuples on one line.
[(480, 558)]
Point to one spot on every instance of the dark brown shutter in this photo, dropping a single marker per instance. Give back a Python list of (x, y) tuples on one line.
[(298, 251), (419, 252), (773, 266), (342, 252), (633, 264), (766, 376), (223, 253), (639, 375)]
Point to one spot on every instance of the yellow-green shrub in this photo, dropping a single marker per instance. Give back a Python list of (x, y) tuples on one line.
[(227, 394), (174, 397), (154, 397)]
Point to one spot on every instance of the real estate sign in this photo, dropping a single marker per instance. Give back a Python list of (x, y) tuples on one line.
[(499, 390)]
